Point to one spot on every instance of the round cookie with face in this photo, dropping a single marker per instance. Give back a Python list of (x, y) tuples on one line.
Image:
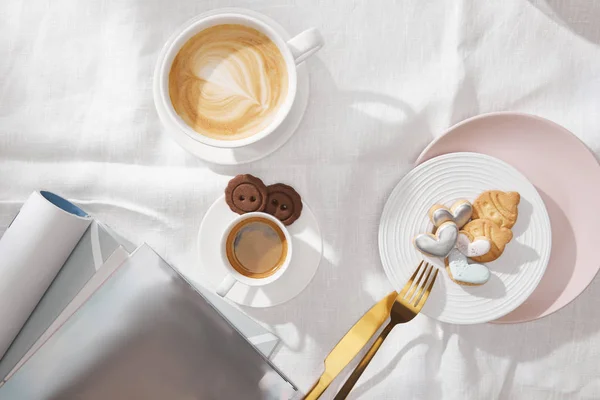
[(284, 203), (246, 193), (497, 236)]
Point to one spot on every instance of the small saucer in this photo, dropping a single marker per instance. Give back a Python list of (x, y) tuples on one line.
[(255, 151), (307, 248)]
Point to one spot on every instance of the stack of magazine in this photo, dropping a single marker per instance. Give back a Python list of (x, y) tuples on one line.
[(85, 314)]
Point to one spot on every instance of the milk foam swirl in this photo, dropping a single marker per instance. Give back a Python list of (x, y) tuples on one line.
[(228, 82)]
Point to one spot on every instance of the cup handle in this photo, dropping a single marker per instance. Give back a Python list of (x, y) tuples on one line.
[(305, 44), (226, 285)]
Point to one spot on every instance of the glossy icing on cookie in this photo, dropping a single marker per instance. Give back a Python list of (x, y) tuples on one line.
[(464, 273), (498, 237), (460, 213), (440, 244), (472, 247)]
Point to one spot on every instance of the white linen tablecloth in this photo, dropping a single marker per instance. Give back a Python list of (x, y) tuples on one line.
[(77, 117)]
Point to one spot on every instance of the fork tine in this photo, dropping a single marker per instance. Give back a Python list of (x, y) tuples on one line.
[(428, 269), (423, 299), (411, 280), (410, 293)]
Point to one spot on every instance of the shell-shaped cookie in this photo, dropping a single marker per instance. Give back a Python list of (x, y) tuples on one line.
[(498, 237), (498, 206)]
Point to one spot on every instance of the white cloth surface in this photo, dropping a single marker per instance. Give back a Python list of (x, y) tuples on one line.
[(77, 117)]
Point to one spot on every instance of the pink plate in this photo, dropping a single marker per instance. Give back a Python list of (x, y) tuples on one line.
[(567, 176)]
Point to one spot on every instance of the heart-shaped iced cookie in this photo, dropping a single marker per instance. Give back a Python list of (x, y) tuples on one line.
[(472, 247), (463, 273), (460, 213), (440, 244)]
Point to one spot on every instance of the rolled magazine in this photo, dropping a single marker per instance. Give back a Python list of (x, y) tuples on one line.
[(32, 251)]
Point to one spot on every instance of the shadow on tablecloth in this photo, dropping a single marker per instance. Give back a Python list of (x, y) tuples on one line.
[(579, 16)]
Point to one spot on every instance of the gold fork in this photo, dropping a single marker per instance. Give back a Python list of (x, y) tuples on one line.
[(354, 340), (352, 343), (407, 305)]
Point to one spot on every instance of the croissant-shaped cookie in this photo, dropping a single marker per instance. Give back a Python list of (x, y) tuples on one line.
[(497, 206), (498, 237)]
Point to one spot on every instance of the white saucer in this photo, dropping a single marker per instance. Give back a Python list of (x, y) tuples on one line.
[(255, 151), (443, 180), (307, 248)]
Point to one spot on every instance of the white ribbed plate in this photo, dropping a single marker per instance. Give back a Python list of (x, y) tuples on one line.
[(443, 180)]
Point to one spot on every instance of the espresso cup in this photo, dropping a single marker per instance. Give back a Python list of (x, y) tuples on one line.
[(202, 129), (256, 249)]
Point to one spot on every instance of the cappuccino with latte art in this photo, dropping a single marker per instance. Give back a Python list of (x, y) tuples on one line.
[(228, 82)]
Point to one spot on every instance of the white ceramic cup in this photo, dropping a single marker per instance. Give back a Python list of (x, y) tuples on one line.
[(294, 52), (234, 276)]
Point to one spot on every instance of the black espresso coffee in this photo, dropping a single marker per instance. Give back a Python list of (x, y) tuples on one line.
[(256, 247)]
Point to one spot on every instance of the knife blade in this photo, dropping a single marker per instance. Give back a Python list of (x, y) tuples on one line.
[(352, 343)]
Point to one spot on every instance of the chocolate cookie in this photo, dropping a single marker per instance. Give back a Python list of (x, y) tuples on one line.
[(284, 203), (246, 193)]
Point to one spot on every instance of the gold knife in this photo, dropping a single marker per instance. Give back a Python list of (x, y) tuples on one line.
[(351, 344)]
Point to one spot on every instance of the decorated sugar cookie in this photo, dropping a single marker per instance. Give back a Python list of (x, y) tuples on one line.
[(478, 232), (497, 206), (460, 213), (472, 246), (497, 236), (463, 273), (440, 243)]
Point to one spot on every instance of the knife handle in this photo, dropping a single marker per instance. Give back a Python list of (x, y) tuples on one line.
[(351, 344), (317, 390), (362, 365)]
